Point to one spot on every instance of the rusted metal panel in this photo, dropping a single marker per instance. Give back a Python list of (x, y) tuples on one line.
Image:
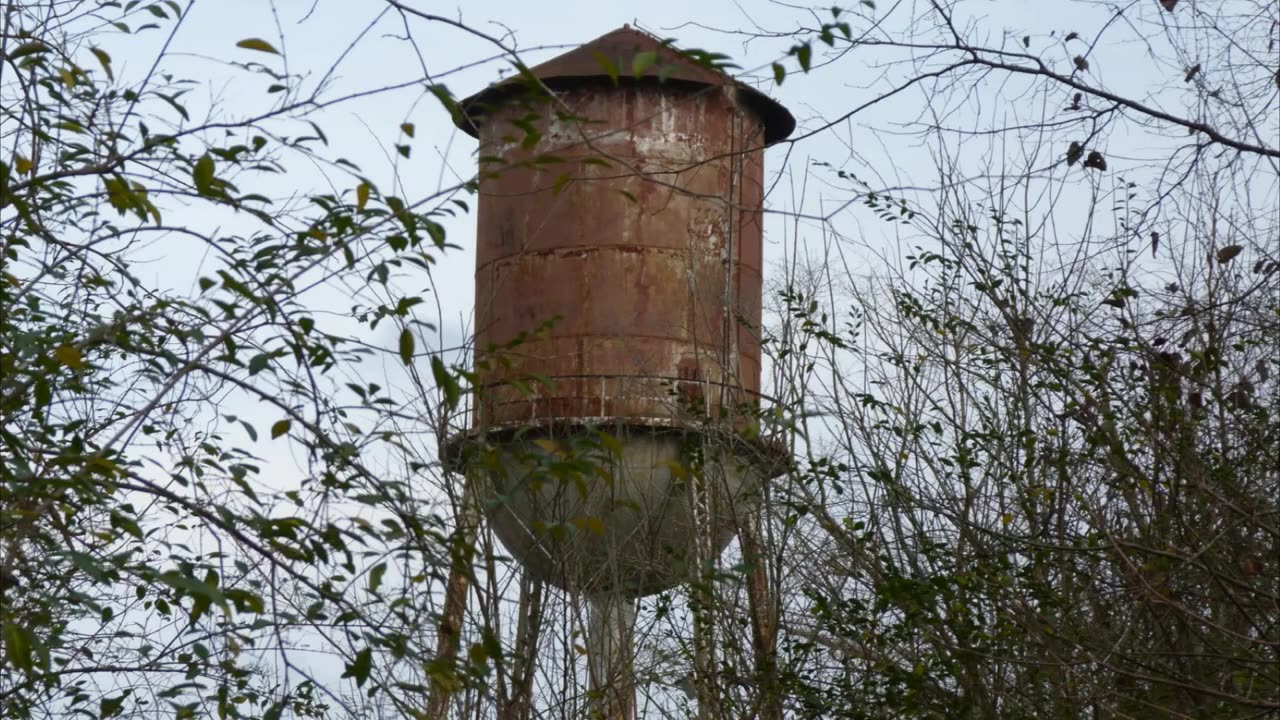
[(632, 231)]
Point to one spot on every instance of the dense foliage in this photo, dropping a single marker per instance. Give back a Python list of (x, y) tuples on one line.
[(194, 477)]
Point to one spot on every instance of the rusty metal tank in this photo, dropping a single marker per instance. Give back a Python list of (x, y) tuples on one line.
[(618, 300)]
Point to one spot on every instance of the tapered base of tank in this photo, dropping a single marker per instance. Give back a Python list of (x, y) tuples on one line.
[(617, 511)]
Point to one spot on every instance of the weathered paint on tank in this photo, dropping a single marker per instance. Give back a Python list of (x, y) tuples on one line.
[(639, 241)]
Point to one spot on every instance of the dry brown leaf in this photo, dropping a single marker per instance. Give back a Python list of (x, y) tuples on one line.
[(1226, 254), (1074, 151)]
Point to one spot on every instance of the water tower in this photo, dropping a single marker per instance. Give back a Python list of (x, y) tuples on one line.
[(617, 312)]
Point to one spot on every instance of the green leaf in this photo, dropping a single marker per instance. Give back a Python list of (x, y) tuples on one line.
[(126, 523), (257, 44), (28, 48), (642, 62), (609, 67), (407, 129), (445, 98), (279, 428), (202, 175), (804, 54), (406, 346), (436, 231), (43, 393), (246, 601), (258, 363), (405, 303), (104, 60), (592, 524), (110, 707), (202, 589), (360, 666), (70, 356), (779, 73), (375, 576), (16, 646), (172, 100), (447, 383), (610, 443)]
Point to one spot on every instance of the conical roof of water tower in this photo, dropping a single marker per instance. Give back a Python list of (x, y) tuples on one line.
[(612, 57)]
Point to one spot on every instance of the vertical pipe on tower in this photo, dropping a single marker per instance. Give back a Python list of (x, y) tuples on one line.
[(519, 705), (461, 550), (762, 606), (610, 627)]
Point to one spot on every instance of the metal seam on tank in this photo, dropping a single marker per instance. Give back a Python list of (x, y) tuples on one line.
[(583, 250)]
